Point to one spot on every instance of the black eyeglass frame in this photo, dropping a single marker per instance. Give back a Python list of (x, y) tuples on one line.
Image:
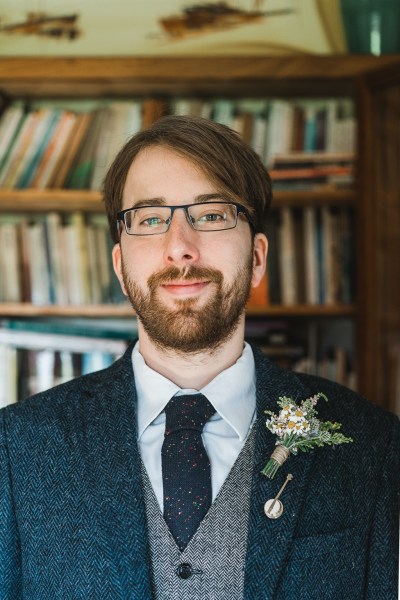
[(240, 209)]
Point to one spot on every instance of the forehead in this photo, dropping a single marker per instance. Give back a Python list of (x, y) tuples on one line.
[(159, 172)]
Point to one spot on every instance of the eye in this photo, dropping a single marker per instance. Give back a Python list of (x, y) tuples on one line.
[(212, 216), (150, 218), (151, 222)]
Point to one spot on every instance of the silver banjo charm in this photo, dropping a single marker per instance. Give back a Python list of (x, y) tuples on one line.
[(273, 508)]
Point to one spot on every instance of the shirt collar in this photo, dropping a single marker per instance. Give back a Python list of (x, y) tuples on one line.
[(231, 392)]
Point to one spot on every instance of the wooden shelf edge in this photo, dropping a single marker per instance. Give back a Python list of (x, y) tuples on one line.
[(21, 310), (315, 197), (32, 200), (304, 310), (299, 66)]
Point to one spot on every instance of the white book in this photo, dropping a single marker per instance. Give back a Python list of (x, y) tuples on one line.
[(181, 106), (74, 269), (33, 340), (287, 257), (39, 269), (125, 121), (279, 129), (8, 375), (259, 139), (94, 267), (53, 227), (310, 255), (45, 361), (79, 287), (10, 271), (102, 249), (66, 366)]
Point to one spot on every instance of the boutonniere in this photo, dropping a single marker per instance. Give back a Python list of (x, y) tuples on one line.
[(298, 428)]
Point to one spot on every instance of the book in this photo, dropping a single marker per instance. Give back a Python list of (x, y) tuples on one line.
[(152, 110), (346, 245), (17, 151), (8, 375), (121, 121), (328, 255), (223, 111), (73, 236), (44, 130), (287, 258), (38, 264), (299, 243), (274, 282), (310, 254), (101, 235), (10, 282), (280, 129), (79, 176), (54, 249), (95, 290), (54, 151), (72, 145), (11, 121), (25, 260), (34, 340)]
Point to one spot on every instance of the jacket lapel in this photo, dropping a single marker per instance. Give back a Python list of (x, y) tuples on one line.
[(269, 540), (119, 493)]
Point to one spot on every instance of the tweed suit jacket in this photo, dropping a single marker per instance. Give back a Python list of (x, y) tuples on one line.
[(72, 515)]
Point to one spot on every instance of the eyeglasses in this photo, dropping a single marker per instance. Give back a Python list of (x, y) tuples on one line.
[(203, 216)]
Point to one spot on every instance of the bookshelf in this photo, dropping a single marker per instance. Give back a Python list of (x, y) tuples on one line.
[(358, 77)]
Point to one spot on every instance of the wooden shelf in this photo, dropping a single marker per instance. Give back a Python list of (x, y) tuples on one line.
[(30, 200), (304, 310), (23, 310), (124, 76), (322, 196)]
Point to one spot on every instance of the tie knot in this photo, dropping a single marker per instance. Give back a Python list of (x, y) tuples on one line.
[(187, 412)]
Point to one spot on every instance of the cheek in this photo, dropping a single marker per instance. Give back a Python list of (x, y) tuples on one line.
[(140, 263)]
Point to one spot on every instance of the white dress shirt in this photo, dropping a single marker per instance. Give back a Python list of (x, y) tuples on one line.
[(232, 394)]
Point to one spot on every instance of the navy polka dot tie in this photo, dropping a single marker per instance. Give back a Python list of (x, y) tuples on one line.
[(185, 466)]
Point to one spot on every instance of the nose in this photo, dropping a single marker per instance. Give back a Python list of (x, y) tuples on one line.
[(180, 241)]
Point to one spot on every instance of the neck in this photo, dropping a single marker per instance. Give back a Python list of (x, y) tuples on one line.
[(191, 371)]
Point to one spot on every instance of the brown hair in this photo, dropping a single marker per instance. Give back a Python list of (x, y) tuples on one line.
[(217, 150)]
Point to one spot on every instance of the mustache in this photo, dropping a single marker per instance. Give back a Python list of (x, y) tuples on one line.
[(188, 273)]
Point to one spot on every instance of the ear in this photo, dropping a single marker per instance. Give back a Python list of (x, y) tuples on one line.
[(260, 251), (117, 264)]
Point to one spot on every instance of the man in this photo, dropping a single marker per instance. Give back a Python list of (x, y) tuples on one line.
[(144, 480)]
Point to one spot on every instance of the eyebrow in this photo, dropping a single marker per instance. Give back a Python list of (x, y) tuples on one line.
[(200, 198)]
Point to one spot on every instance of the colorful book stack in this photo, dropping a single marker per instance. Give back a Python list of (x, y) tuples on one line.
[(70, 145), (54, 260)]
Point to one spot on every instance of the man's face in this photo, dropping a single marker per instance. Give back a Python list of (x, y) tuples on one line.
[(188, 288)]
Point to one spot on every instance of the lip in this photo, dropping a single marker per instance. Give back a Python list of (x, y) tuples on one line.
[(185, 288)]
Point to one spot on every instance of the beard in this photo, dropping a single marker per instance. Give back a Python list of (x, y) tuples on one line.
[(188, 328)]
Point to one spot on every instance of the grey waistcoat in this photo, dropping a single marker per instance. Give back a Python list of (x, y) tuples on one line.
[(216, 553)]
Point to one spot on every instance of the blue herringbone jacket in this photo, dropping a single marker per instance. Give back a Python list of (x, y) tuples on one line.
[(72, 519)]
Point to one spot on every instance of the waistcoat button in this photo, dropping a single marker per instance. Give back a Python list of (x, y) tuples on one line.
[(184, 571)]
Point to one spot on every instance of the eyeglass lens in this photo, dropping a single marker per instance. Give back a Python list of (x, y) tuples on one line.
[(209, 216)]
